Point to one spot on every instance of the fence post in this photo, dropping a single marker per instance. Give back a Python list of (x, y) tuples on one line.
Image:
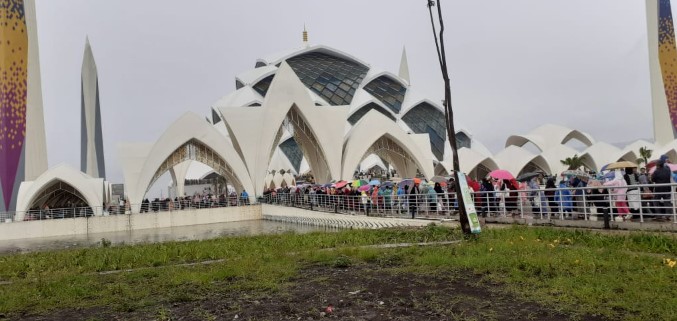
[(674, 206), (641, 205), (611, 204), (585, 204), (561, 204), (519, 200)]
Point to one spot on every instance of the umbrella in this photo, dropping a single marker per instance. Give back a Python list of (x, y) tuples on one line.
[(438, 179), (501, 174), (527, 176), (673, 167), (417, 180), (619, 165), (359, 182), (341, 184), (364, 188), (575, 172), (473, 184), (387, 184), (407, 182), (326, 185), (375, 182)]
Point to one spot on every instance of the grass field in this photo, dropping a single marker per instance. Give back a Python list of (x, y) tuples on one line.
[(571, 274)]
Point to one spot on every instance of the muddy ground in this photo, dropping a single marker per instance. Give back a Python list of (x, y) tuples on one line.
[(361, 292)]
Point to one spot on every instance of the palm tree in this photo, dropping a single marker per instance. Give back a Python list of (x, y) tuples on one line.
[(574, 162), (644, 155)]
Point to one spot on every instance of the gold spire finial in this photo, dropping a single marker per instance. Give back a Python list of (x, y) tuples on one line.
[(305, 34)]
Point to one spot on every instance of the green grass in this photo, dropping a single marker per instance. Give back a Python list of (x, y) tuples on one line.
[(617, 276)]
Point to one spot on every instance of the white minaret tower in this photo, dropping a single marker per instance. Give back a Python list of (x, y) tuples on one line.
[(91, 157)]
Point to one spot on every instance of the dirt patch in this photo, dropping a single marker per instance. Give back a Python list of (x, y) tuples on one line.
[(362, 292)]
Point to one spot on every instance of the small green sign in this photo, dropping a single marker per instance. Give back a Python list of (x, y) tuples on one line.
[(469, 205)]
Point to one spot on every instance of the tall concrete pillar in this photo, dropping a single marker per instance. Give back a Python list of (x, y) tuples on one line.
[(91, 153), (23, 149)]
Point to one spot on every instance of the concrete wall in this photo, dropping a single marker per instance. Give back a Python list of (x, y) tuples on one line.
[(118, 223), (317, 218)]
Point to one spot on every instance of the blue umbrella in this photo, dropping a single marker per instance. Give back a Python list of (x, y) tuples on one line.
[(388, 184), (375, 182)]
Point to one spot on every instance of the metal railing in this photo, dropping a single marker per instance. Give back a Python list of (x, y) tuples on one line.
[(655, 202), (638, 203), (125, 209)]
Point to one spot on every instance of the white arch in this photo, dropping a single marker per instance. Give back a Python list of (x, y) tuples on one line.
[(514, 159), (140, 167), (549, 135), (599, 154), (469, 159), (554, 156), (372, 127), (253, 76), (89, 187), (286, 94)]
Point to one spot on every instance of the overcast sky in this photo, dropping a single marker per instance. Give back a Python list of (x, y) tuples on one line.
[(514, 64)]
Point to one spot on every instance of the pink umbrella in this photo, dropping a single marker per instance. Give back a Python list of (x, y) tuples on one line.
[(363, 188), (673, 167), (501, 174), (341, 184)]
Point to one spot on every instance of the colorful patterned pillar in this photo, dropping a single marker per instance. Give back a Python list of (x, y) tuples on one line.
[(667, 56), (13, 94)]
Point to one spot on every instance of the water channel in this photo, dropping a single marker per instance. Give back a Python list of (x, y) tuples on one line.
[(183, 233)]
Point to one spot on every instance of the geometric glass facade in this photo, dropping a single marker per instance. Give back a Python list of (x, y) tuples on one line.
[(262, 86), (426, 119), (355, 117), (389, 92), (462, 140), (332, 78), (293, 151)]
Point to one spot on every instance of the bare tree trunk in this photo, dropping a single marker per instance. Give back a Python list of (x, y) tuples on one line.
[(448, 111)]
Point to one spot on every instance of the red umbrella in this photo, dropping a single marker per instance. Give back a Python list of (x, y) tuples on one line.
[(501, 174), (673, 167), (364, 188)]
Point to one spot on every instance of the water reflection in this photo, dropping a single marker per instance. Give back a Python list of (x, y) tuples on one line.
[(183, 233)]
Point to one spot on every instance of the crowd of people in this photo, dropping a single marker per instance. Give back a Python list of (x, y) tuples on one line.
[(623, 192), (429, 197)]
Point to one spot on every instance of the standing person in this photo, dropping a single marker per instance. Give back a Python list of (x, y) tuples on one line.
[(244, 196), (402, 198), (632, 179), (535, 195), (646, 193), (413, 203), (662, 175), (487, 189), (364, 199), (432, 199), (619, 190), (511, 197), (550, 194), (442, 199)]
